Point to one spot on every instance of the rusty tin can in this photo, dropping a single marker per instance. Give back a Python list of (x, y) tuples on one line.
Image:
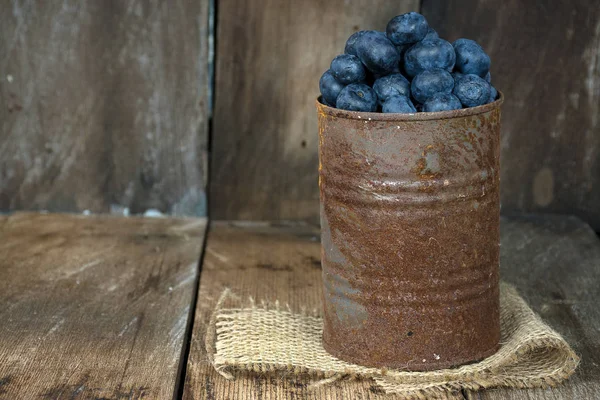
[(410, 236)]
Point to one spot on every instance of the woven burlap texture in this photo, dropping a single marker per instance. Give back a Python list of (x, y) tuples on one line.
[(271, 338)]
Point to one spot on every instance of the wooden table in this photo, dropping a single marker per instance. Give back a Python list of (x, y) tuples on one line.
[(111, 308), (95, 307)]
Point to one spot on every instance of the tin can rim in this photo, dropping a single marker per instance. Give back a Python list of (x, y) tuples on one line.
[(421, 116)]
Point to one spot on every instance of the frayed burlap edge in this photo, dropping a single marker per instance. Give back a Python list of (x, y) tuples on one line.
[(270, 338)]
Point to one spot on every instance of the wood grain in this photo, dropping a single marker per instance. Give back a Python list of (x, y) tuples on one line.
[(269, 58), (546, 59), (95, 307), (554, 262), (103, 105), (267, 262)]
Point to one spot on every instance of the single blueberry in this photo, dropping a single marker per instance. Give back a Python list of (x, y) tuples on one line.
[(442, 102), (488, 77), (472, 90), (377, 53), (470, 57), (347, 69), (351, 42), (429, 54), (430, 82), (407, 28), (493, 94), (357, 97), (431, 34), (330, 87), (391, 85), (398, 104)]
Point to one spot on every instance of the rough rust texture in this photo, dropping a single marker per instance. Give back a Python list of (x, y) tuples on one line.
[(410, 236)]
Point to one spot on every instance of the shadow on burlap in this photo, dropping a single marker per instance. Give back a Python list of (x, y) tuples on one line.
[(271, 338)]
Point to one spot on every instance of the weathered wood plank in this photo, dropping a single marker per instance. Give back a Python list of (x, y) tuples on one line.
[(95, 307), (268, 263), (270, 56), (104, 105), (546, 60), (554, 263)]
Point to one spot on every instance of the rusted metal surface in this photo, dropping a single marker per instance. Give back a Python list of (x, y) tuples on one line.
[(410, 236)]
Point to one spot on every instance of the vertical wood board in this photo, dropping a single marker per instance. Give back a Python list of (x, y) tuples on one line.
[(269, 58), (103, 106), (546, 59)]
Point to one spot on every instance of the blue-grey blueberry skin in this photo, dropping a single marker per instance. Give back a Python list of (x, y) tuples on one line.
[(429, 54), (442, 102), (347, 69), (330, 88), (407, 28), (357, 97), (471, 58), (472, 90), (351, 42), (391, 85), (488, 77), (431, 34), (377, 53), (430, 82), (398, 104), (493, 94)]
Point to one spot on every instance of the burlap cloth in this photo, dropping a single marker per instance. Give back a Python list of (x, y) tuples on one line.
[(271, 338)]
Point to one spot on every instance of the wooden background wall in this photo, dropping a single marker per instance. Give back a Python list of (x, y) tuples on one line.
[(105, 104), (270, 55), (545, 57)]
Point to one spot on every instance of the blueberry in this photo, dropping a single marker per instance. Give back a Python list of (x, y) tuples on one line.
[(456, 75), (407, 28), (398, 104), (488, 77), (391, 85), (377, 53), (470, 57), (472, 90), (428, 54), (493, 94), (351, 42), (330, 87), (442, 102), (430, 82), (431, 34), (347, 69), (357, 97)]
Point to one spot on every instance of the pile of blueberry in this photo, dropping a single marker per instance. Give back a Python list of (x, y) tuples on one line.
[(406, 69)]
